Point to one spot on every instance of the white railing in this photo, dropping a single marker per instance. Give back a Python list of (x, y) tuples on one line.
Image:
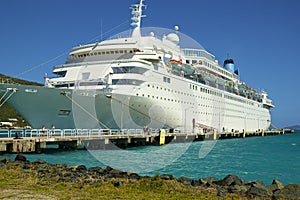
[(13, 133)]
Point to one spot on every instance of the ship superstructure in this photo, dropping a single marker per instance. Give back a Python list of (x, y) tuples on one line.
[(144, 78)]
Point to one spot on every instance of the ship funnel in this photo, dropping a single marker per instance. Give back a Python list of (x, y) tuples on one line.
[(229, 64)]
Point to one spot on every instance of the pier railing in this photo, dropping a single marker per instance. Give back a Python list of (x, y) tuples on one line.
[(11, 133), (17, 133)]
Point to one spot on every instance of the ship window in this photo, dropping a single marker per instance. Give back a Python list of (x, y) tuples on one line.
[(167, 80), (112, 52), (64, 112), (103, 52), (187, 61), (126, 82), (85, 75), (121, 70), (61, 74), (107, 52), (89, 83), (121, 51)]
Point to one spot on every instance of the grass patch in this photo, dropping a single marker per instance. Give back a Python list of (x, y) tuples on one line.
[(17, 183)]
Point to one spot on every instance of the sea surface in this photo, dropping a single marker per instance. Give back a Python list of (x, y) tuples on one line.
[(254, 158)]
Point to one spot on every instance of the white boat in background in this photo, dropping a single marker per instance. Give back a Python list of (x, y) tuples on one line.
[(151, 77)]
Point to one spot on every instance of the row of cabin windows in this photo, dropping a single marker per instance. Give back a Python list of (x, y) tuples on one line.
[(202, 105), (211, 66), (166, 99), (238, 99), (205, 90), (183, 93), (170, 90), (103, 53)]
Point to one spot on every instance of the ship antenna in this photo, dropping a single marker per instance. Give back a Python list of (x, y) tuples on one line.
[(136, 11), (101, 34)]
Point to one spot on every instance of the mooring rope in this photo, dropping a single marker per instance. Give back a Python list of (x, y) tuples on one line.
[(95, 118), (66, 52), (13, 91), (4, 95)]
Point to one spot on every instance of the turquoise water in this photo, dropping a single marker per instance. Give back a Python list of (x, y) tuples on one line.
[(255, 158)]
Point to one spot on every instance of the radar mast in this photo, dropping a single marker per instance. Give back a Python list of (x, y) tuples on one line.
[(136, 11)]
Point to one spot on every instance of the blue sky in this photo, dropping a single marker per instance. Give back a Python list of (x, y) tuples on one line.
[(262, 36)]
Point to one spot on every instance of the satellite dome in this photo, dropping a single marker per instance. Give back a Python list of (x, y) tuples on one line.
[(173, 38)]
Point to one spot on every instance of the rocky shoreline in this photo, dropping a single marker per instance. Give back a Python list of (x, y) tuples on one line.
[(221, 188)]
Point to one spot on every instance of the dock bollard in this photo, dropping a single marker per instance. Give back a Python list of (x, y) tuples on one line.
[(162, 136)]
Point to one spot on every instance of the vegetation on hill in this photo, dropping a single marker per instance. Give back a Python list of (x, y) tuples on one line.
[(295, 127), (8, 79), (6, 111)]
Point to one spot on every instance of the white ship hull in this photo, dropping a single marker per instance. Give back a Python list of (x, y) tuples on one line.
[(190, 111)]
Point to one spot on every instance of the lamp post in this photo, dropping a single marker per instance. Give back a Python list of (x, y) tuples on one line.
[(185, 117), (245, 121), (220, 121)]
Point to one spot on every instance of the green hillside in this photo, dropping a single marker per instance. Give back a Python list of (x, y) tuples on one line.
[(6, 111)]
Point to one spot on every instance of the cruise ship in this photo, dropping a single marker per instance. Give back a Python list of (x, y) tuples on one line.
[(143, 77)]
